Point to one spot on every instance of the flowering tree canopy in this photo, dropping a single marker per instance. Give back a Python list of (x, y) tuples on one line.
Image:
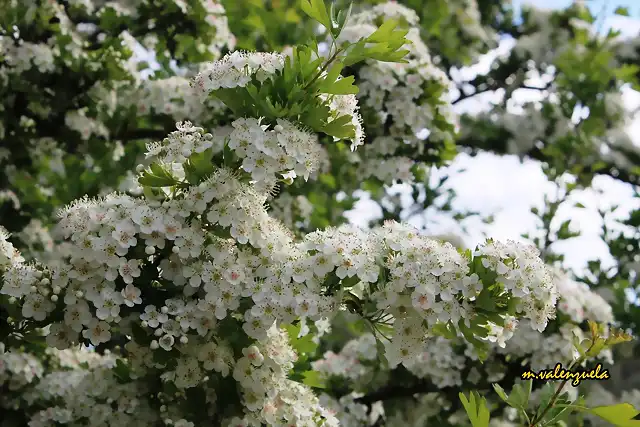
[(175, 248)]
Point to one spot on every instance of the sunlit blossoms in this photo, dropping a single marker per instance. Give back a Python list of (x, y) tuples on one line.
[(237, 69), (202, 297), (222, 262)]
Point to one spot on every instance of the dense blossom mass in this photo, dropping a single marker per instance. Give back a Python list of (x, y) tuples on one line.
[(210, 278), (211, 253)]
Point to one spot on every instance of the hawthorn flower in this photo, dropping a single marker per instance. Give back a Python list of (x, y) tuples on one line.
[(131, 295), (97, 332), (37, 306), (152, 317), (253, 354), (129, 270), (77, 315), (124, 234)]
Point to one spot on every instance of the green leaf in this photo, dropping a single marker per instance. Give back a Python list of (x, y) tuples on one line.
[(597, 347), (121, 371), (547, 392), (519, 398), (385, 45), (485, 300), (339, 21), (328, 180), (340, 127), (501, 393), (621, 414), (622, 11), (334, 84), (201, 164), (302, 345), (157, 177), (313, 379), (317, 10), (476, 409), (443, 330)]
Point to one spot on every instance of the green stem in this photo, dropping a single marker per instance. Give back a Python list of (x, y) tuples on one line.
[(557, 393), (324, 67)]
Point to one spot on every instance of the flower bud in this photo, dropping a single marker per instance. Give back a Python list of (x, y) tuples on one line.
[(154, 345), (149, 250)]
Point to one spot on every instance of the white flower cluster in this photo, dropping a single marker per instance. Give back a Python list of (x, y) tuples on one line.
[(25, 55), (525, 276), (175, 97), (544, 351), (85, 126), (294, 211), (17, 369), (286, 150), (347, 105), (388, 10), (396, 90), (347, 363), (579, 302), (274, 399), (37, 237), (84, 388), (216, 18), (544, 34), (378, 161), (9, 255), (440, 363), (81, 386), (526, 133), (179, 145), (501, 334), (351, 413), (237, 69), (117, 240)]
